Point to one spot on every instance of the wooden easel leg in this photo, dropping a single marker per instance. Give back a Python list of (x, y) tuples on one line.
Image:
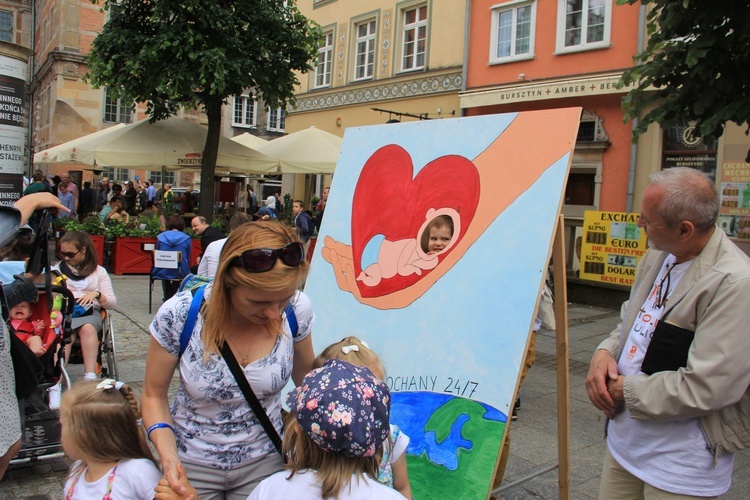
[(563, 382)]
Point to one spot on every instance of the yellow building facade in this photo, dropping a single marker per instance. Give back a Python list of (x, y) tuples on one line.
[(403, 58)]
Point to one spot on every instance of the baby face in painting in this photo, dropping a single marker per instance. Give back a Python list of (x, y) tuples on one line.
[(440, 236)]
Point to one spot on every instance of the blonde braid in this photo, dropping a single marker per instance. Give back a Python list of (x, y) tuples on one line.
[(127, 392)]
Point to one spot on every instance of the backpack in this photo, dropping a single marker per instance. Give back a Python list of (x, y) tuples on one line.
[(197, 285)]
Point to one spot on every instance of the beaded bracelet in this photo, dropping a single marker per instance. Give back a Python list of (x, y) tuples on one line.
[(159, 425)]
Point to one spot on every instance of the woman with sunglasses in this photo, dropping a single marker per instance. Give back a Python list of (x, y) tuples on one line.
[(92, 288), (211, 430)]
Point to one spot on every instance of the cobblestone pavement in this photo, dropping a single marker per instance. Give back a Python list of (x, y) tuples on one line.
[(534, 435)]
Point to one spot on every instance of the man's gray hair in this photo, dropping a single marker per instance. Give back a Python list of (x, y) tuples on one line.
[(689, 195)]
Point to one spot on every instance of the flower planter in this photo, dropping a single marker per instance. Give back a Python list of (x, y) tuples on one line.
[(195, 251), (130, 257), (99, 246)]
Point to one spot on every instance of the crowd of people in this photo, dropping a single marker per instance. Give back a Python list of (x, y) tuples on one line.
[(135, 198), (669, 379)]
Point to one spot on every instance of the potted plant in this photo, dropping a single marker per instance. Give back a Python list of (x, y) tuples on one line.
[(196, 248), (132, 245), (94, 227)]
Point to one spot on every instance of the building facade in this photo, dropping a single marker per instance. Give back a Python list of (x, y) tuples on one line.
[(379, 61), (532, 54)]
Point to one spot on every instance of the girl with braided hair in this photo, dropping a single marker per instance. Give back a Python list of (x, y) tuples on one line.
[(101, 431)]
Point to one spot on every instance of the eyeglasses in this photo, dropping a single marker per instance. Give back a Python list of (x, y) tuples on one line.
[(260, 260), (70, 255)]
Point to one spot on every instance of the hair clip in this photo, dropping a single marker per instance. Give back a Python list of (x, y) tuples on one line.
[(349, 348), (109, 383)]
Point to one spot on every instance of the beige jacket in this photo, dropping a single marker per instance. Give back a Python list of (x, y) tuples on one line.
[(713, 300)]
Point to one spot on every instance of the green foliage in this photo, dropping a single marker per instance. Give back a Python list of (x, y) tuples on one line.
[(286, 215), (67, 224), (693, 67), (93, 225), (167, 207), (120, 229), (221, 223), (196, 53)]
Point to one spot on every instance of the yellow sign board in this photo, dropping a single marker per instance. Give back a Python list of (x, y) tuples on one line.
[(611, 247)]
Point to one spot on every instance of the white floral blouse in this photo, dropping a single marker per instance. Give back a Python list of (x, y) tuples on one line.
[(213, 423)]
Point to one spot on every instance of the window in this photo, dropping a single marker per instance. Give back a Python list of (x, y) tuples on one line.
[(6, 26), (244, 111), (118, 175), (276, 118), (414, 38), (583, 24), (115, 111), (364, 61), (325, 61), (512, 35), (155, 175)]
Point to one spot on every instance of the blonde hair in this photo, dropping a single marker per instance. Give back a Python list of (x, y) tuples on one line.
[(362, 356), (334, 471), (437, 222), (280, 278), (103, 423)]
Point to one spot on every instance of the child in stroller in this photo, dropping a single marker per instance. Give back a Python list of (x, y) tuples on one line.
[(32, 332)]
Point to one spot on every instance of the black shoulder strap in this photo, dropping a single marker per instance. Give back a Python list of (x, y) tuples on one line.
[(252, 400)]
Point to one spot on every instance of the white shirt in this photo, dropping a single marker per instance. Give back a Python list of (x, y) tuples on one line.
[(210, 260), (304, 484), (672, 456), (271, 202), (135, 478)]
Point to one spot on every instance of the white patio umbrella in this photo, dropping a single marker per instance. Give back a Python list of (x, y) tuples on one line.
[(249, 140), (174, 143), (67, 152), (308, 151)]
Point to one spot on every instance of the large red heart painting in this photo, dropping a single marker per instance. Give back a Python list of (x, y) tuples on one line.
[(390, 202)]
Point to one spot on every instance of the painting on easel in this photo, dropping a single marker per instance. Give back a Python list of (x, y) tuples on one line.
[(433, 249)]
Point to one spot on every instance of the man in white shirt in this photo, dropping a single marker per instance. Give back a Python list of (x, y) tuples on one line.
[(210, 261), (672, 377)]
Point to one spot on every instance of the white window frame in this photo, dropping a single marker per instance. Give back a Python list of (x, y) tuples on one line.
[(122, 113), (155, 175), (324, 67), (10, 29), (562, 17), (415, 27), (248, 111), (279, 117), (364, 50), (513, 7), (117, 175)]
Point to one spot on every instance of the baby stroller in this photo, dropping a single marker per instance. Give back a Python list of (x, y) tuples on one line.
[(40, 423), (41, 429)]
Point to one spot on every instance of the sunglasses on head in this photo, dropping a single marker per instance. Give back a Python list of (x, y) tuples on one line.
[(70, 255), (260, 260)]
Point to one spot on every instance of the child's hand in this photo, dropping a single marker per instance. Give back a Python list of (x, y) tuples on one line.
[(39, 326), (164, 490)]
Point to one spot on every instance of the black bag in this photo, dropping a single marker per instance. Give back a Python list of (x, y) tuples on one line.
[(668, 349), (26, 366)]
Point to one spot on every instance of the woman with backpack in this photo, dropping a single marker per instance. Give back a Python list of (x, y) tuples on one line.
[(224, 445)]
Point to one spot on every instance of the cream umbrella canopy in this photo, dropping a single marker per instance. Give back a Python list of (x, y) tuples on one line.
[(174, 143), (249, 140), (67, 152), (308, 151)]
